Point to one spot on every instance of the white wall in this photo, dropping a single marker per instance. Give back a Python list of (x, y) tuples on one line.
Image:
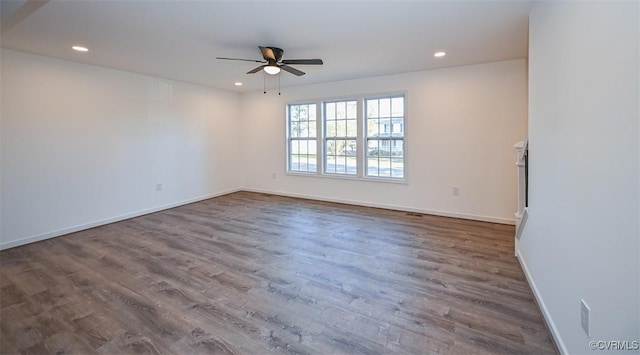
[(82, 145), (581, 240), (462, 123)]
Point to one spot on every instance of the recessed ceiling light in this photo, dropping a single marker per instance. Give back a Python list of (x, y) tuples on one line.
[(80, 49), (439, 54), (237, 83)]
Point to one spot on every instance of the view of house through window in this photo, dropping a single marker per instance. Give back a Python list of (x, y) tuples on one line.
[(359, 137), (385, 137)]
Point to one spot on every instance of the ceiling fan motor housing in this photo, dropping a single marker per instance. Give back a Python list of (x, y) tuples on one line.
[(277, 54)]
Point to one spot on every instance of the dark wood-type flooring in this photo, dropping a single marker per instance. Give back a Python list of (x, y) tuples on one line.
[(250, 273)]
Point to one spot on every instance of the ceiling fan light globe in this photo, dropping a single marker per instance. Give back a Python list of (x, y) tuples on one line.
[(272, 69)]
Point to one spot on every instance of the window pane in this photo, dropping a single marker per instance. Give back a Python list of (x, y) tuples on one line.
[(330, 111), (312, 129), (294, 112), (384, 165), (303, 132), (385, 107), (385, 148), (340, 164), (340, 144), (372, 148), (331, 128), (397, 148), (341, 128), (372, 127), (330, 147), (294, 157), (330, 162), (314, 163), (372, 167), (397, 106), (352, 165), (304, 148), (305, 161), (397, 128), (311, 155), (397, 167), (372, 109), (312, 146), (352, 128), (351, 157), (330, 165), (341, 110), (383, 127), (312, 112), (304, 113), (352, 110)]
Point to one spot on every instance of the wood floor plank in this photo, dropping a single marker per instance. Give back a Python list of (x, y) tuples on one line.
[(250, 273)]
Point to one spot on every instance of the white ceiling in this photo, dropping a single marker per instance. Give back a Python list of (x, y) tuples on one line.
[(180, 39)]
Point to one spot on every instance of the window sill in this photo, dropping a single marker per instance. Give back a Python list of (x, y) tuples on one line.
[(348, 177)]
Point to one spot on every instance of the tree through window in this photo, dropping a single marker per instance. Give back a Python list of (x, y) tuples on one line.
[(301, 132)]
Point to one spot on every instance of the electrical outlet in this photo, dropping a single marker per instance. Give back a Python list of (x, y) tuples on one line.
[(584, 316), (455, 191), (158, 187)]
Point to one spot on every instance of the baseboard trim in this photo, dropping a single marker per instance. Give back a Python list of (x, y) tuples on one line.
[(498, 220), (57, 233), (543, 308)]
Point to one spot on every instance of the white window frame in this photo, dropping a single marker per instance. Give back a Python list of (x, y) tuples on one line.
[(325, 138), (289, 139), (390, 139), (361, 139)]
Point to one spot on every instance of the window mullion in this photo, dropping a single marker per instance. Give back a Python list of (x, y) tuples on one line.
[(319, 138), (360, 138)]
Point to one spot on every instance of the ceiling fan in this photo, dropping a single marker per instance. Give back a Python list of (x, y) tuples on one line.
[(272, 59)]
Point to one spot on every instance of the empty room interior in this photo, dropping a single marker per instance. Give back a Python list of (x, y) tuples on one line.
[(319, 177)]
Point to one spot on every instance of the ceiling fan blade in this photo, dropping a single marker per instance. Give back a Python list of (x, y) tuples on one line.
[(244, 60), (267, 54), (292, 70), (255, 70), (303, 61)]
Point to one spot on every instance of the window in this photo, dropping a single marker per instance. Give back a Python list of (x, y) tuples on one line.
[(385, 137), (359, 138), (301, 133), (340, 136)]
